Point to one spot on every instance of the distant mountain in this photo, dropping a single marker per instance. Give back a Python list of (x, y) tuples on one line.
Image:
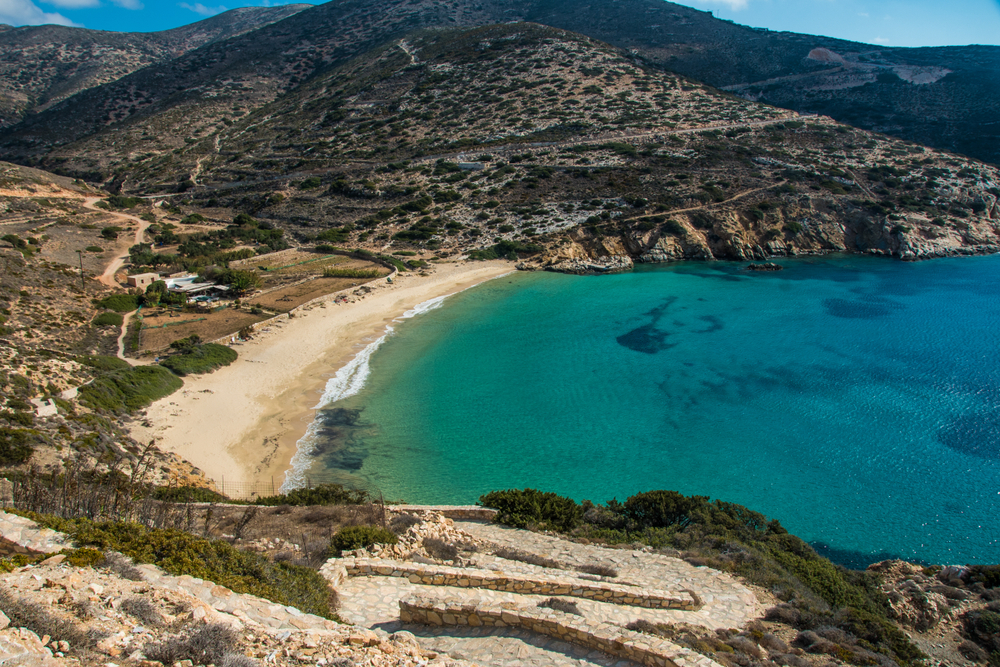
[(941, 97), (42, 65)]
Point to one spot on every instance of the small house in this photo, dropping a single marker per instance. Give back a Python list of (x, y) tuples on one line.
[(143, 280)]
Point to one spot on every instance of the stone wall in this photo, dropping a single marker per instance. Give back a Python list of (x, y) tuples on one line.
[(453, 512), (613, 640), (337, 570)]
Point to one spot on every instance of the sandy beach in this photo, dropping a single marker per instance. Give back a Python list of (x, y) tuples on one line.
[(241, 423)]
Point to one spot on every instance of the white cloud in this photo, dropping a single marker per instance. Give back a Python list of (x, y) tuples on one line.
[(73, 4), (884, 41), (199, 8), (735, 5), (25, 12)]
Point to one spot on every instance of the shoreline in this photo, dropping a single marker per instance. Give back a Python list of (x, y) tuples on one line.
[(241, 424)]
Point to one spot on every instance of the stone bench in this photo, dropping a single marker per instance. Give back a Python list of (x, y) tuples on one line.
[(644, 649), (337, 570)]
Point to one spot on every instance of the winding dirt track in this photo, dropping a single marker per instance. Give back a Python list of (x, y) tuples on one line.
[(108, 277)]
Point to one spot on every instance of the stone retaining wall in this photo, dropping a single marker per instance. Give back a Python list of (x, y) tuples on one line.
[(337, 570), (613, 640), (454, 512)]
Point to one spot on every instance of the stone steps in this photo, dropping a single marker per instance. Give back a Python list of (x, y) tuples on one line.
[(336, 571), (610, 639)]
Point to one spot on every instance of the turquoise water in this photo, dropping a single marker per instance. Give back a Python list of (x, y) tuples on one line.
[(855, 399)]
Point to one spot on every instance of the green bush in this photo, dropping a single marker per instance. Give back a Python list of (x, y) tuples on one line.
[(531, 507), (324, 494), (728, 537), (94, 248), (662, 509), (359, 537), (188, 494), (131, 389), (104, 362), (200, 359), (120, 303), (181, 553), (120, 202), (506, 250), (105, 319), (15, 445)]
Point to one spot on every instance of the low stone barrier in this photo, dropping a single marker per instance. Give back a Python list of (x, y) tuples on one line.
[(453, 512), (611, 639), (440, 575)]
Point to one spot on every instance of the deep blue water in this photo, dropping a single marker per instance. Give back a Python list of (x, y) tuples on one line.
[(855, 399)]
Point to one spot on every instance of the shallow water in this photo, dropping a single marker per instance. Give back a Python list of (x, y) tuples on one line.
[(855, 399)]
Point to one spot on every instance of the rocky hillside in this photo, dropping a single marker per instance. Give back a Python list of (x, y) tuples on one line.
[(43, 65), (529, 141), (942, 97)]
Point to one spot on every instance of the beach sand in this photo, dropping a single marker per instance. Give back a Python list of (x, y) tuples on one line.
[(241, 423)]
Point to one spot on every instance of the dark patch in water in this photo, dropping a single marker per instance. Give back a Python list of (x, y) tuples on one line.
[(647, 339), (869, 308), (858, 560), (714, 324), (974, 435)]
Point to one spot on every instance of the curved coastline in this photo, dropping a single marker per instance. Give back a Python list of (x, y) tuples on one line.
[(241, 424), (348, 381)]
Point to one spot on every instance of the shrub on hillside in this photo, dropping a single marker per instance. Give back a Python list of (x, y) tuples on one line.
[(531, 507), (181, 553), (15, 445), (104, 362), (324, 494), (129, 389), (120, 303), (188, 494), (108, 319), (360, 537), (200, 359)]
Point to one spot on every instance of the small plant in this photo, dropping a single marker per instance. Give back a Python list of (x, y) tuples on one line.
[(120, 303), (108, 319), (563, 605), (143, 610), (598, 570), (332, 272), (199, 359), (207, 645), (360, 537)]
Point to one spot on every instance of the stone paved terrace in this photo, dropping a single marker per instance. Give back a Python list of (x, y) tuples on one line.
[(726, 603), (373, 601)]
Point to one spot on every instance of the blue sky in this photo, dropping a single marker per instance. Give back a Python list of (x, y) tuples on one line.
[(889, 22)]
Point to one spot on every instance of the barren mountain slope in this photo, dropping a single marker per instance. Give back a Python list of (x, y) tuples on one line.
[(42, 65), (943, 97), (560, 149)]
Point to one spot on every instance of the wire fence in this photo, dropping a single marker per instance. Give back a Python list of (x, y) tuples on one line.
[(272, 487)]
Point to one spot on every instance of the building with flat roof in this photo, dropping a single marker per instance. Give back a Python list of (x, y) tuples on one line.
[(143, 279)]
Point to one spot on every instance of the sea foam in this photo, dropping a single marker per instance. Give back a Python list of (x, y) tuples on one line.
[(347, 382)]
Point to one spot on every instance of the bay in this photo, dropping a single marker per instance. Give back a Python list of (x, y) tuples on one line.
[(855, 399)]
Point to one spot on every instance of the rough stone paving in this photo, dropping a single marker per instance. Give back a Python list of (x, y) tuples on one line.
[(388, 579), (274, 634), (477, 607)]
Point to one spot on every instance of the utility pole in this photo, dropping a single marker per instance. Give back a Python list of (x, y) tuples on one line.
[(82, 285)]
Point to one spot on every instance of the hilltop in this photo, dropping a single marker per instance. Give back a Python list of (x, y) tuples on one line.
[(43, 65), (941, 97), (525, 140)]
